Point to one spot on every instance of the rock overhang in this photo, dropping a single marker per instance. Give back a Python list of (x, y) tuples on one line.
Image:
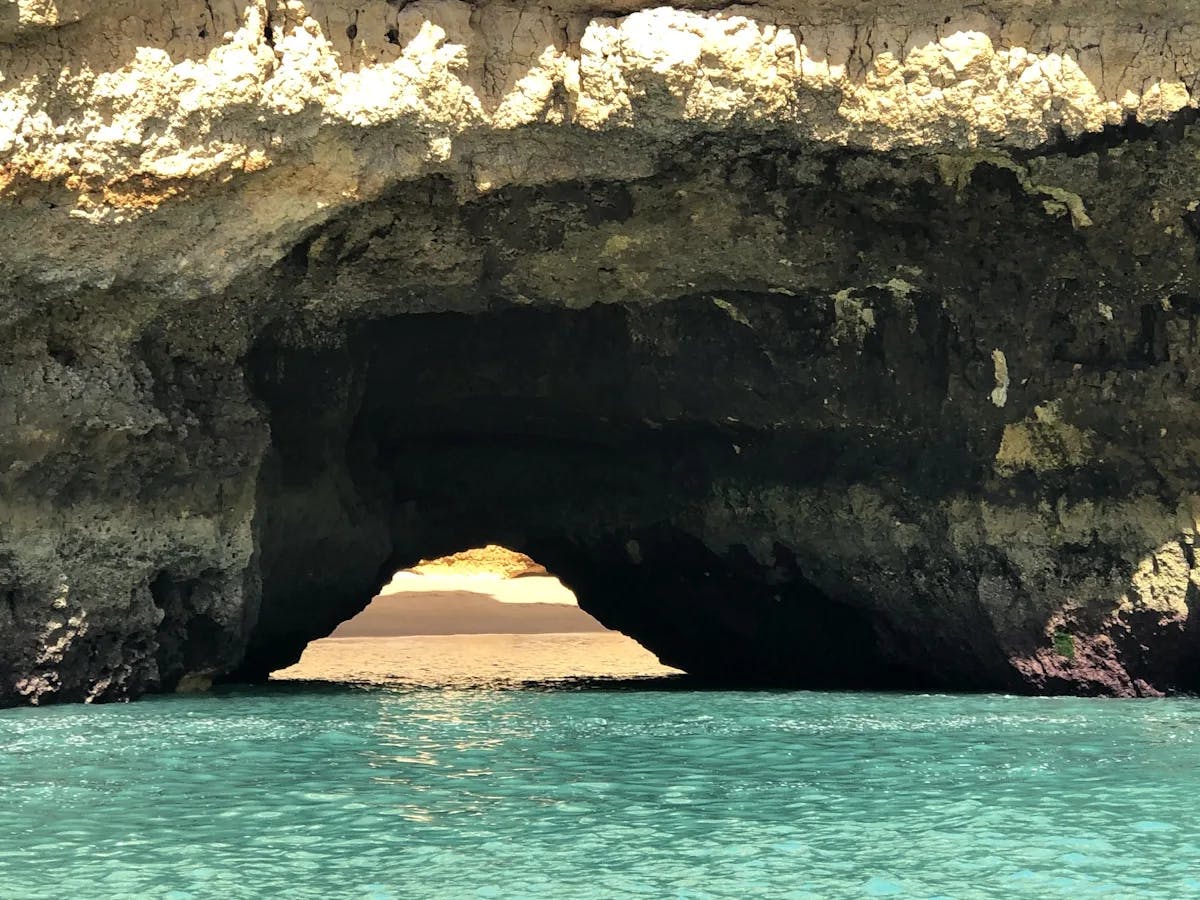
[(244, 124)]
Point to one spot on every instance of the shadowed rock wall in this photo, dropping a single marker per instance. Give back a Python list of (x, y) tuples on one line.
[(837, 344)]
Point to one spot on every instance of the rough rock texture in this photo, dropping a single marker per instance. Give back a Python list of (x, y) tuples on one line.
[(829, 343), (490, 560)]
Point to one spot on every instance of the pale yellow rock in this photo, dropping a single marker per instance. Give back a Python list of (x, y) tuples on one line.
[(1161, 580), (1042, 443), (490, 560), (1000, 373), (854, 319), (135, 112)]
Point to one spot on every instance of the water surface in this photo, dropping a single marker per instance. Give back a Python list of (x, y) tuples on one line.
[(382, 791)]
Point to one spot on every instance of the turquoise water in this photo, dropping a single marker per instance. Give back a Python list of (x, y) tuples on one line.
[(299, 791)]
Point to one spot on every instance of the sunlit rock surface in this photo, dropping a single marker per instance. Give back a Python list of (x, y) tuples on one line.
[(488, 562), (832, 343)]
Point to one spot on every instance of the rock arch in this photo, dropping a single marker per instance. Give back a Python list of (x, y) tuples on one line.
[(849, 404)]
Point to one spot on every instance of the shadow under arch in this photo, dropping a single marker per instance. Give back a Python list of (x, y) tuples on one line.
[(814, 487), (425, 434)]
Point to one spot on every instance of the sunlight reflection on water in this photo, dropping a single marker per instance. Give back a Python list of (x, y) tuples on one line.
[(304, 790)]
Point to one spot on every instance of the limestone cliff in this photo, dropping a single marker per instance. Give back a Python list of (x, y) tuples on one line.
[(838, 342)]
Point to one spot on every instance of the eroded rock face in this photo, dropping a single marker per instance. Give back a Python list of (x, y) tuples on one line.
[(838, 344)]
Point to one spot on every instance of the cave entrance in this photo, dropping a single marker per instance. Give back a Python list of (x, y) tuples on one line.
[(483, 615), (566, 435)]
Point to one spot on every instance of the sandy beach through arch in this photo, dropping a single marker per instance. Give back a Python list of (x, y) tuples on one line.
[(486, 616)]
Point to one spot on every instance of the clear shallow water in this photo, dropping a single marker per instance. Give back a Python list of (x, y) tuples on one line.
[(301, 790)]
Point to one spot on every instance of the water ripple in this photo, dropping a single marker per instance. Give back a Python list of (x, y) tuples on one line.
[(307, 792)]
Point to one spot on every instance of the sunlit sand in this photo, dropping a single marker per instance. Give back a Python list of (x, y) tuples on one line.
[(472, 660), (483, 616)]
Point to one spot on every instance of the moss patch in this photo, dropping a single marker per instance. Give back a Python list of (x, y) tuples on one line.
[(1064, 644)]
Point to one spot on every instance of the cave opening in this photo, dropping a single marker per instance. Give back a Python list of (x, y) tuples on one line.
[(594, 441), (484, 615)]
